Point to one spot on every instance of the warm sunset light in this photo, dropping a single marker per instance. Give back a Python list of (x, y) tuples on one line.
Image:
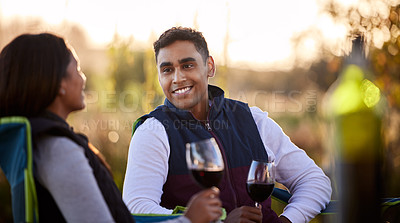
[(259, 32)]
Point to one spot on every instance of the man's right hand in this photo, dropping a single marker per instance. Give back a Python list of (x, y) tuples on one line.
[(205, 206), (244, 214)]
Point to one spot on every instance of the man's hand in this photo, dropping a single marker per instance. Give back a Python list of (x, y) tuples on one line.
[(244, 214), (204, 206)]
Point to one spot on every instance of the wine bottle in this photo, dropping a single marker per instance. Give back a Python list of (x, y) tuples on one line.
[(354, 111)]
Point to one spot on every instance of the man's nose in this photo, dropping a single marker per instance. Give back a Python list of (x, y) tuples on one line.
[(179, 76)]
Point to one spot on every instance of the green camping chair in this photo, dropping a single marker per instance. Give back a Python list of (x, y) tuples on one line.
[(390, 207), (16, 163), (283, 196)]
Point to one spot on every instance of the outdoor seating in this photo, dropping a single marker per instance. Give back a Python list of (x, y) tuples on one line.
[(16, 161)]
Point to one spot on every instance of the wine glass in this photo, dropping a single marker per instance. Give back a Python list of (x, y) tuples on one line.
[(260, 180), (205, 162)]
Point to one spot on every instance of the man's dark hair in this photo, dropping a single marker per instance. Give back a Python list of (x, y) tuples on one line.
[(182, 33)]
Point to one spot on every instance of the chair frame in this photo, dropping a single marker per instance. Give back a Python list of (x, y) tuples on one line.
[(31, 201)]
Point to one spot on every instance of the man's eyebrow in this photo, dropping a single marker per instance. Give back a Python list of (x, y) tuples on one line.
[(163, 64), (184, 60)]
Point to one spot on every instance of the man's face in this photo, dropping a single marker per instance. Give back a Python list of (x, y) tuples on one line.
[(183, 76)]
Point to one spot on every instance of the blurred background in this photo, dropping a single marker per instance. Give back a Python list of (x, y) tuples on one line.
[(281, 56)]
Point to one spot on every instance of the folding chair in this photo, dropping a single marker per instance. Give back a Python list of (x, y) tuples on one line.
[(16, 161), (390, 207), (283, 196)]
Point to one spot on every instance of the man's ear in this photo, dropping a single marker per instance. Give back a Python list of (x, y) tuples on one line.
[(211, 67)]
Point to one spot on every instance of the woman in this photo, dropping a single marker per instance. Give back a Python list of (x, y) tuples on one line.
[(40, 78)]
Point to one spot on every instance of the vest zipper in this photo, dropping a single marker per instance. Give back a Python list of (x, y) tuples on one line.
[(221, 148), (207, 124)]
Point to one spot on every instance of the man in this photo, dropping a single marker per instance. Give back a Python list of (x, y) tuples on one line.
[(157, 178)]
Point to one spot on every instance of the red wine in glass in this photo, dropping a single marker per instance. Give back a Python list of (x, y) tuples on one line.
[(260, 180), (259, 192), (207, 178), (204, 161)]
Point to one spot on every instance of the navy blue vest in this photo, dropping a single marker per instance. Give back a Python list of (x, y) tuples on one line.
[(232, 125)]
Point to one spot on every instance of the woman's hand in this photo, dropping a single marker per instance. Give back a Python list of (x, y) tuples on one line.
[(205, 206), (245, 214)]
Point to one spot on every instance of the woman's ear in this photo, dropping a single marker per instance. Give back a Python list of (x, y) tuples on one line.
[(62, 90), (211, 67)]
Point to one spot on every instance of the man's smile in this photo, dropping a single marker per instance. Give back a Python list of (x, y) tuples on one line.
[(183, 90)]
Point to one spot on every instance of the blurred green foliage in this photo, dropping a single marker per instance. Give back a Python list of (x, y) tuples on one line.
[(126, 65)]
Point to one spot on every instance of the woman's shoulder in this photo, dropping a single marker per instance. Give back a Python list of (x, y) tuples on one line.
[(49, 146), (55, 141), (53, 154)]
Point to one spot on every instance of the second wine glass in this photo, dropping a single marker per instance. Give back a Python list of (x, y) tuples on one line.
[(204, 161), (260, 180)]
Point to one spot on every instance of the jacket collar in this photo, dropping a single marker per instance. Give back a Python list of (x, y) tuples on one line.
[(51, 116)]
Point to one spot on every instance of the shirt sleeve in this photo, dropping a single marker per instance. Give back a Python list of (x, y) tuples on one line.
[(147, 169), (62, 167), (310, 187)]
